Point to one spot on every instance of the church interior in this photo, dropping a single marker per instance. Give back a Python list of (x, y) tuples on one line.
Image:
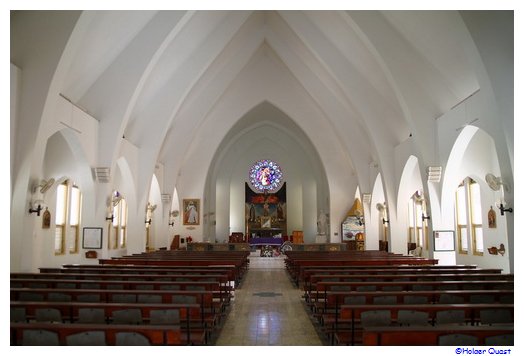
[(262, 177)]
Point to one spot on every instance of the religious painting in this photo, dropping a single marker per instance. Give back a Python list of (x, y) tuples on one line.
[(492, 218), (46, 219), (265, 222), (191, 211)]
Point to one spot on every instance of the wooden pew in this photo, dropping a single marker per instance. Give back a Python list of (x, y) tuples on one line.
[(222, 295), (321, 288), (424, 336), (239, 258), (192, 322), (330, 305), (156, 334), (108, 295), (240, 265), (230, 270), (316, 279), (211, 309), (225, 287), (112, 284), (131, 269), (294, 265), (348, 320), (306, 273)]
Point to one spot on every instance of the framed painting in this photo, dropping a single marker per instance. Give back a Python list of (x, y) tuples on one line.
[(92, 238), (46, 219), (191, 211), (265, 222)]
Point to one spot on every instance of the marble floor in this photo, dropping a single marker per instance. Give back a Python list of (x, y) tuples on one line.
[(267, 310)]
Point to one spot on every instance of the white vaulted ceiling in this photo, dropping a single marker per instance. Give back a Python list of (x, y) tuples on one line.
[(367, 79)]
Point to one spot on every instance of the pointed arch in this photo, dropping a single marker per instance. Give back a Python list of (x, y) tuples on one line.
[(410, 181), (373, 226), (65, 157), (155, 213), (474, 155)]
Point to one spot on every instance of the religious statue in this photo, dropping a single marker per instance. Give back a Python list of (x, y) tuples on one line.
[(252, 213), (322, 223), (266, 207), (280, 212)]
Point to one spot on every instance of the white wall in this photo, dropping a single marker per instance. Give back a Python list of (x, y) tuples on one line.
[(15, 82), (373, 223)]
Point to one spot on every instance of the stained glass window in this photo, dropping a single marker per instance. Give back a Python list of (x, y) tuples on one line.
[(265, 175)]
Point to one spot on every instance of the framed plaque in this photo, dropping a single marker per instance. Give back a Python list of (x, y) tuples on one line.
[(444, 240), (92, 238)]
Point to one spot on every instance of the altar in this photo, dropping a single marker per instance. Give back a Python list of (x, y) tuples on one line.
[(266, 220), (265, 232)]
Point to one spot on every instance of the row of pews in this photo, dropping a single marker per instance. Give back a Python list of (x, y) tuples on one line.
[(379, 298), (157, 298)]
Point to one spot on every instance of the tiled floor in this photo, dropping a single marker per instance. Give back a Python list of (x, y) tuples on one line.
[(267, 310)]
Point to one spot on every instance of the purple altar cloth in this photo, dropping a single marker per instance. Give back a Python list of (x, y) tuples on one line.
[(260, 241)]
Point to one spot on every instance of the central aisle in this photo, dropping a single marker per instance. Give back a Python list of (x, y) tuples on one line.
[(267, 309)]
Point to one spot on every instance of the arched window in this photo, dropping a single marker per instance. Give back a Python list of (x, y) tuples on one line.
[(74, 218), (60, 218), (68, 209), (468, 217)]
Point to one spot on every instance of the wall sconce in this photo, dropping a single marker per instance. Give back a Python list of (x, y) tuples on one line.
[(36, 207), (172, 215), (502, 209), (425, 217)]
